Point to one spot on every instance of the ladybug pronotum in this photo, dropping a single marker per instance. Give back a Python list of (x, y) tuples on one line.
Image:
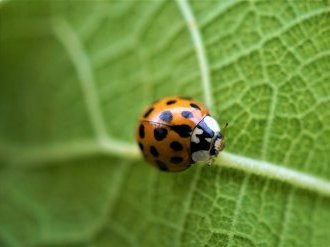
[(176, 132)]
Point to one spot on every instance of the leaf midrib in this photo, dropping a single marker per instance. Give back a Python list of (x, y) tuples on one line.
[(39, 156)]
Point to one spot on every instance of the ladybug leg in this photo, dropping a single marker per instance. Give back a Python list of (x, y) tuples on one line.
[(211, 161), (224, 129)]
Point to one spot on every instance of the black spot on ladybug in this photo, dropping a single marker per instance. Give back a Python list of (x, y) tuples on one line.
[(141, 131), (154, 151), (171, 102), (187, 114), (182, 130), (176, 146), (141, 146), (160, 133), (161, 165), (195, 106), (148, 112), (176, 160), (166, 116)]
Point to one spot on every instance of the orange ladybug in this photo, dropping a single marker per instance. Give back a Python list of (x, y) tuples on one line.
[(176, 132)]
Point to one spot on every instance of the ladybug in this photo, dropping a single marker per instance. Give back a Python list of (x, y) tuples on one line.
[(176, 132)]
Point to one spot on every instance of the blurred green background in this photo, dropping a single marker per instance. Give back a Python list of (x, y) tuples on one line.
[(74, 77)]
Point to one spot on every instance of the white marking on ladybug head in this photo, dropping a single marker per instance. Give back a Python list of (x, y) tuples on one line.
[(194, 137), (208, 139), (212, 124)]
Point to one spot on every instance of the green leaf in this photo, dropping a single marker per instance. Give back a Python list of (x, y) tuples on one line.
[(75, 76)]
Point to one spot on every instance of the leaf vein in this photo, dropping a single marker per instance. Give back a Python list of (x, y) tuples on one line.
[(286, 216), (70, 41), (237, 209), (187, 205), (258, 45), (196, 37)]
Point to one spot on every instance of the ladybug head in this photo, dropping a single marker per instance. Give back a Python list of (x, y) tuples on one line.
[(206, 140)]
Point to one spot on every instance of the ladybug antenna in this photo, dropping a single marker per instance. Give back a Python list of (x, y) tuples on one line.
[(224, 129)]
